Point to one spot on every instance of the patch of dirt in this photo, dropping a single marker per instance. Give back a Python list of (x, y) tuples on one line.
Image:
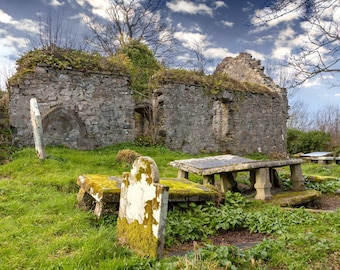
[(329, 202), (244, 239)]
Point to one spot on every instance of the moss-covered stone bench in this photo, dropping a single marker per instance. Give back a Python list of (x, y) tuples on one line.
[(101, 193)]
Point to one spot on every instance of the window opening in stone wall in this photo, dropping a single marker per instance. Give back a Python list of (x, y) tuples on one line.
[(142, 120), (221, 109)]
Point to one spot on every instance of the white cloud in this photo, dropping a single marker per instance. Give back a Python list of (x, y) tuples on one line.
[(5, 18), (219, 4), (313, 82), (9, 46), (227, 23), (249, 7), (182, 6), (287, 40), (98, 7), (218, 53), (192, 40), (56, 3), (26, 25), (7, 69), (10, 43), (256, 55), (195, 28), (81, 2), (184, 57), (266, 18), (337, 95)]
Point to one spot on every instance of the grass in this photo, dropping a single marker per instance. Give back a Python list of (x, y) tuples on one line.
[(42, 227)]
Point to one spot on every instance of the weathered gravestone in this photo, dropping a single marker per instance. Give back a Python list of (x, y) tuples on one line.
[(142, 209), (37, 128)]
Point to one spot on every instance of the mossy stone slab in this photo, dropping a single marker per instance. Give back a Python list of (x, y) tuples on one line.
[(321, 178), (107, 188), (292, 198)]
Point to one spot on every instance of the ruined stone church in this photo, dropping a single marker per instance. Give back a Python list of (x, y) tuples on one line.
[(94, 109)]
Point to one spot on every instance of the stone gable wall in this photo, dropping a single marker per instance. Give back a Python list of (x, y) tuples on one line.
[(246, 68), (79, 110)]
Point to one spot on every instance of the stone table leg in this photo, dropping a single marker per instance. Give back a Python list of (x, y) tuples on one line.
[(262, 184), (85, 200), (208, 179), (182, 174), (228, 182), (99, 209), (252, 178), (296, 177)]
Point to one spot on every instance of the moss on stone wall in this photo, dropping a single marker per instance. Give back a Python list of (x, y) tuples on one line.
[(60, 58), (213, 84)]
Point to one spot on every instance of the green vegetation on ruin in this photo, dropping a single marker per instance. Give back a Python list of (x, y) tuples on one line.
[(214, 84), (42, 227), (135, 59), (60, 58)]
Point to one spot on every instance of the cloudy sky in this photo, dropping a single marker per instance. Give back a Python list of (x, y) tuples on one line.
[(221, 28)]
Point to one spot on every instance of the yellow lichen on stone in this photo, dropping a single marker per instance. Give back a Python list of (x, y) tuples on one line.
[(320, 178), (147, 170), (99, 184), (291, 198), (180, 186), (125, 180), (138, 236)]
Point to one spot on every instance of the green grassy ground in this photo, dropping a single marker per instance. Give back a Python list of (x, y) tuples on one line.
[(42, 227)]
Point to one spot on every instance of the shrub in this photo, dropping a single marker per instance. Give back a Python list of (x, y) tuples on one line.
[(127, 155), (142, 64), (301, 141)]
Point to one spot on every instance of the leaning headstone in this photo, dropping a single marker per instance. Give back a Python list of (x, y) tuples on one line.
[(37, 129), (142, 209)]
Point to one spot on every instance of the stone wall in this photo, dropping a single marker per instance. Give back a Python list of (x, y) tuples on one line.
[(79, 110), (232, 122), (87, 110)]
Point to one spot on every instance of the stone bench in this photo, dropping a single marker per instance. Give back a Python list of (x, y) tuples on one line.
[(102, 192)]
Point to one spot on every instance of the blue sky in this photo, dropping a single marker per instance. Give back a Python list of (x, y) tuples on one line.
[(221, 28)]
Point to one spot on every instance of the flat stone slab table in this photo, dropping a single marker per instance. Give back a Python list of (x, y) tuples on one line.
[(322, 157), (102, 192), (226, 165)]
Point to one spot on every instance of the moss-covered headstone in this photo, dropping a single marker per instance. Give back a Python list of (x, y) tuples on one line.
[(142, 209)]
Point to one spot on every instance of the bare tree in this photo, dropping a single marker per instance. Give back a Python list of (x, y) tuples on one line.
[(281, 74), (299, 116), (54, 33), (131, 20), (328, 120), (320, 54)]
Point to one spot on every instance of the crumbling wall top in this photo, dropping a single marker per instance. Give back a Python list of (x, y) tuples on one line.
[(246, 68)]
